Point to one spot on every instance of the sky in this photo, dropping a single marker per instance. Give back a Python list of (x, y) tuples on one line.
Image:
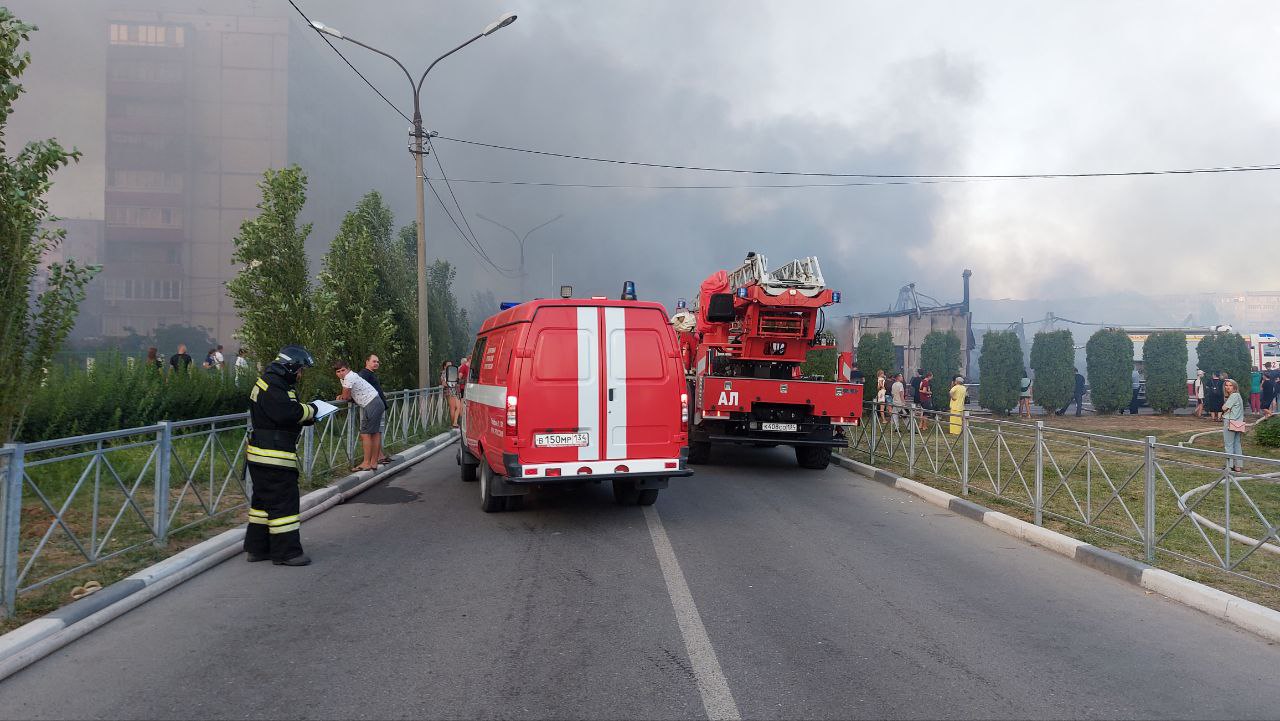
[(887, 88), (920, 88)]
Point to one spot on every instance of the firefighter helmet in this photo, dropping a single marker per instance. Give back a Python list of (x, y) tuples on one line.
[(294, 358)]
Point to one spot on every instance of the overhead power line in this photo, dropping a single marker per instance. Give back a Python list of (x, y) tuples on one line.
[(333, 47), (704, 186), (874, 176), (471, 240)]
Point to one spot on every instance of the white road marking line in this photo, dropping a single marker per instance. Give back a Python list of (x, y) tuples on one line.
[(713, 687)]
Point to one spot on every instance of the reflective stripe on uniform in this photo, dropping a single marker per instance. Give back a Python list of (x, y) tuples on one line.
[(307, 412), (268, 457), (283, 520), (284, 529), (261, 384), (256, 516), (293, 395)]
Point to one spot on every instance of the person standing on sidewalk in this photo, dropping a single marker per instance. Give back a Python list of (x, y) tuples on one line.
[(369, 373), (1077, 397), (958, 396), (271, 460), (1135, 381), (1233, 426), (1255, 391), (357, 389), (1199, 390)]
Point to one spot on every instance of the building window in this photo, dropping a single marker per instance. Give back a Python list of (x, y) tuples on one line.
[(117, 289), (148, 141), (142, 217), (145, 108), (144, 72), (144, 180), (150, 35)]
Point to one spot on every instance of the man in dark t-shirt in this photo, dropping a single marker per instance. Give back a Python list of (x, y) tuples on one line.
[(371, 364), (180, 360)]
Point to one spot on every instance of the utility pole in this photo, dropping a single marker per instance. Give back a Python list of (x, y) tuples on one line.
[(417, 135)]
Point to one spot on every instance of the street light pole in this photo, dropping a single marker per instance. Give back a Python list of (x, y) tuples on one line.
[(424, 355), (521, 239)]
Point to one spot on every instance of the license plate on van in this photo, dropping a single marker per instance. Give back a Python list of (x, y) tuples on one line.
[(779, 427), (561, 440)]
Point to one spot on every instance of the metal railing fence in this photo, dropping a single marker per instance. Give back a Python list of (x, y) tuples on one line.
[(1183, 503), (71, 503)]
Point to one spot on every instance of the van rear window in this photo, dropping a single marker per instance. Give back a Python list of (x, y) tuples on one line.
[(643, 351), (555, 355)]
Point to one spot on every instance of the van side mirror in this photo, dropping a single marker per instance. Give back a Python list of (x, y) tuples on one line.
[(451, 376), (720, 308)]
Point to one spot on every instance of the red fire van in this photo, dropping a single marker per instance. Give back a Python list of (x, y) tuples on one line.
[(574, 390)]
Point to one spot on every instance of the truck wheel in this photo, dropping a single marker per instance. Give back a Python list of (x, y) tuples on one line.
[(468, 469), (699, 452), (489, 503), (625, 492), (647, 497), (815, 457)]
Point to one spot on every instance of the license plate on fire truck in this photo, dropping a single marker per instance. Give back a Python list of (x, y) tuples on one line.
[(779, 427), (561, 440)]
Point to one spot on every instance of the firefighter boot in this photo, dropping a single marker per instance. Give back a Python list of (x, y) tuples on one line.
[(302, 560)]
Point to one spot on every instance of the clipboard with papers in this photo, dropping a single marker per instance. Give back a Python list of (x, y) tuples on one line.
[(323, 408)]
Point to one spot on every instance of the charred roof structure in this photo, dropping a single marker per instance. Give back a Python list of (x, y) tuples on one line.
[(913, 316)]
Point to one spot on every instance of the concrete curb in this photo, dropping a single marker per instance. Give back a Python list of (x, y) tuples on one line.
[(1247, 615), (35, 640)]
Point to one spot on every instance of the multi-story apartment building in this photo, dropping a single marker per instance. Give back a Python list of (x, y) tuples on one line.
[(178, 107)]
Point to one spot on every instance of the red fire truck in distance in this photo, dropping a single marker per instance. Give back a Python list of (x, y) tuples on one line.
[(742, 344)]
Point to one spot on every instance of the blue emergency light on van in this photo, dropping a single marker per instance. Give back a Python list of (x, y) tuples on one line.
[(508, 304), (629, 290)]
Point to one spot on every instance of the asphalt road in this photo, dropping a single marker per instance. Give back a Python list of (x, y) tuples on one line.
[(823, 595)]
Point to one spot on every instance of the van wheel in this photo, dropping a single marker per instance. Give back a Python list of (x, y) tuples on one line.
[(815, 457), (489, 503), (625, 492), (647, 497), (699, 452)]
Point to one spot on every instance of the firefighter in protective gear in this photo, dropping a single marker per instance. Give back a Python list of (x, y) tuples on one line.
[(271, 458)]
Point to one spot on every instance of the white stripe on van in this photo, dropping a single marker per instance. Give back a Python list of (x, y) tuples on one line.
[(589, 381), (495, 396), (615, 333)]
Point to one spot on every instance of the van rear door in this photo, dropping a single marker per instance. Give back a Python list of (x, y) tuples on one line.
[(560, 395), (642, 410)]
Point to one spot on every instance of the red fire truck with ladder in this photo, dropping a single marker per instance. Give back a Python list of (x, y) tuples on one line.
[(743, 342)]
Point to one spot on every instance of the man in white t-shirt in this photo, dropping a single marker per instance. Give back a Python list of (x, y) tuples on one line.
[(218, 358), (898, 394), (359, 390)]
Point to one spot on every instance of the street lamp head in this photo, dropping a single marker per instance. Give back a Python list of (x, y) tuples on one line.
[(321, 27), (499, 24)]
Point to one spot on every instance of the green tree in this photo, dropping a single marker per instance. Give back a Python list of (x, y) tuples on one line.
[(272, 291), (1109, 362), (1226, 352), (875, 353), (1165, 357), (1002, 369), (483, 305), (822, 362), (354, 317), (448, 328), (940, 355), (1053, 359), (397, 288), (32, 324)]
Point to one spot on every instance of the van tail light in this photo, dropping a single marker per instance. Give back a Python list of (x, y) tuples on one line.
[(511, 414), (684, 411)]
